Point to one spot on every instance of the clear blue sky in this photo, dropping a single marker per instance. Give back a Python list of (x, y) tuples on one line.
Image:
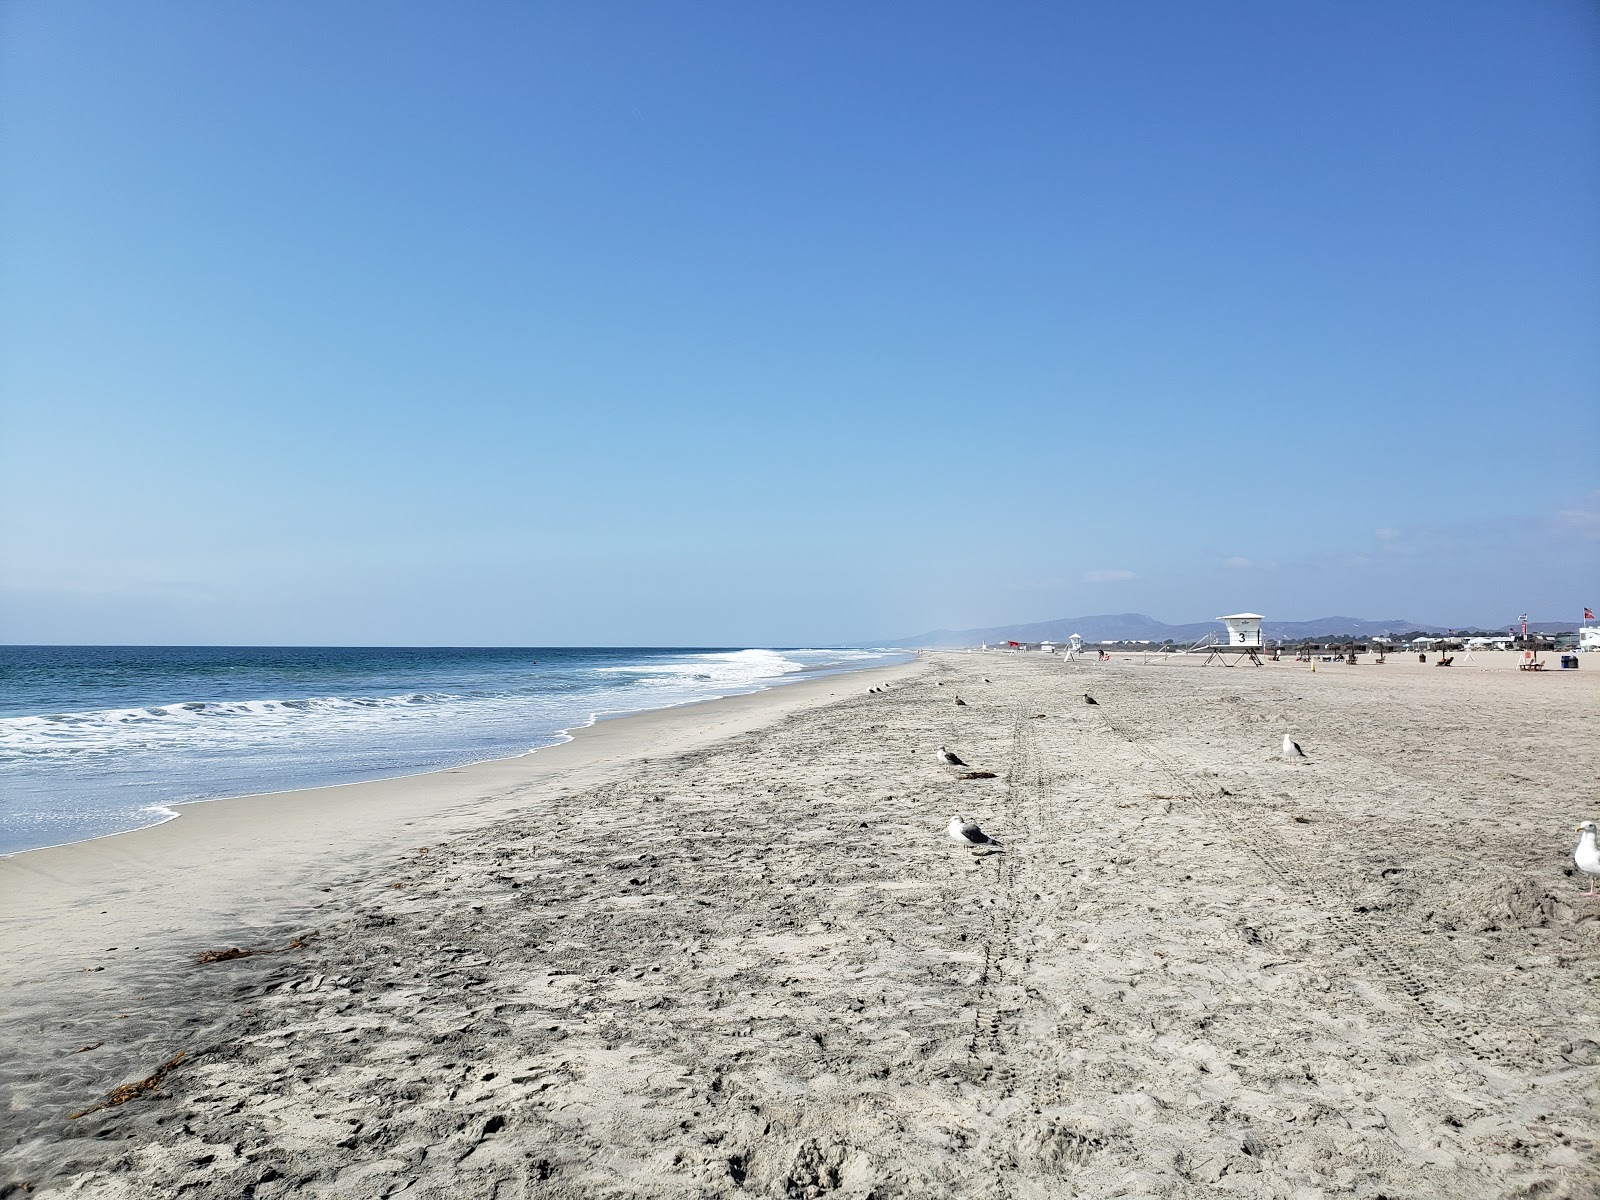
[(731, 323)]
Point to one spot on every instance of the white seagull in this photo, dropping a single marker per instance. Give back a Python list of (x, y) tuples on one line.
[(949, 759), (967, 833), (1587, 856), (1291, 748)]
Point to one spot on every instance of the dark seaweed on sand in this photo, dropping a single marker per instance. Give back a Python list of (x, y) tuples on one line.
[(132, 1091), (296, 943)]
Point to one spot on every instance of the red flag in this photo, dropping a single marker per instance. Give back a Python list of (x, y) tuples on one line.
[(1017, 644), (1588, 615)]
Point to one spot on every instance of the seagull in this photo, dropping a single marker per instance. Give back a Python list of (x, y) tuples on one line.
[(961, 702), (1291, 748), (1587, 856), (1088, 699), (950, 760), (967, 833)]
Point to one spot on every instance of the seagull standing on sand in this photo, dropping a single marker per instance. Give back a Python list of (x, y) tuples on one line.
[(967, 833), (1291, 748), (1587, 856), (949, 759), (962, 703), (1088, 699)]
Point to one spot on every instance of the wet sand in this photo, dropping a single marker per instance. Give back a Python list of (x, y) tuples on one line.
[(729, 951)]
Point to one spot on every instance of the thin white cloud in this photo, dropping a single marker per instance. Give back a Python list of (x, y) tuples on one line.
[(1582, 521), (1237, 560), (1393, 543), (1108, 576)]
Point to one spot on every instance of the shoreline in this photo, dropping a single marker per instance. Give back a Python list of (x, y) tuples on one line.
[(170, 808), (43, 887)]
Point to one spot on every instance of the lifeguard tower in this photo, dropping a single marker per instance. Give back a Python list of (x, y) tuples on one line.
[(1244, 641), (1074, 646)]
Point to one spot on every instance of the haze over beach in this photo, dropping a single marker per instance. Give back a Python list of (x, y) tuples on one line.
[(497, 506)]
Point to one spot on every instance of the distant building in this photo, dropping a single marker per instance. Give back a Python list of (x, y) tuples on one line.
[(1428, 643)]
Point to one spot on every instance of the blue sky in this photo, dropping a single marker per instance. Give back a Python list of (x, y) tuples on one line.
[(721, 323)]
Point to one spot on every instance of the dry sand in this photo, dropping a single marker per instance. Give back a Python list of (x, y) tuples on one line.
[(728, 950)]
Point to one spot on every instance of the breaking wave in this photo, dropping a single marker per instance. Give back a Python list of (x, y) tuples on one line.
[(261, 720)]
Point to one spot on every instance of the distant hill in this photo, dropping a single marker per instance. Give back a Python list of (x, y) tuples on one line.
[(1136, 626)]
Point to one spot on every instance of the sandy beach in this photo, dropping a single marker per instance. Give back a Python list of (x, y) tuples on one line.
[(728, 950)]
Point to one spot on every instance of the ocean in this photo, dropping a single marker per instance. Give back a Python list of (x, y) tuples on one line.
[(100, 739)]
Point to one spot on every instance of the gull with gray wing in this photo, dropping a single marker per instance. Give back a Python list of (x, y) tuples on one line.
[(965, 830)]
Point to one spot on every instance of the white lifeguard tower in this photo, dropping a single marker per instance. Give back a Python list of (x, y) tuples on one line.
[(1074, 646), (1244, 640)]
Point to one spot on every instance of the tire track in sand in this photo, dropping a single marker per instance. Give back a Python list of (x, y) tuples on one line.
[(1386, 950), (1008, 1004)]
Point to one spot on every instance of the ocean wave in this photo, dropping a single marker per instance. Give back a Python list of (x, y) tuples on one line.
[(736, 668), (539, 704), (119, 759), (115, 727), (92, 741)]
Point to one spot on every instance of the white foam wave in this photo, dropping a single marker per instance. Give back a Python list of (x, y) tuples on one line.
[(274, 738), (114, 728), (735, 668), (67, 776), (298, 726)]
